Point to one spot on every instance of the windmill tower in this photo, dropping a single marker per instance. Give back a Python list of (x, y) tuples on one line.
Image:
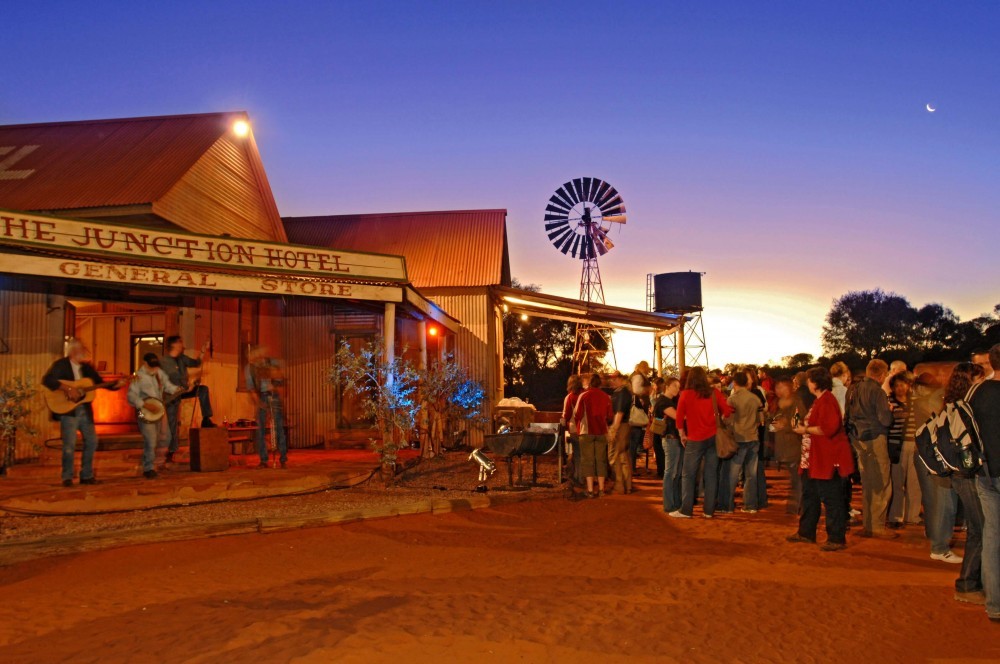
[(578, 219)]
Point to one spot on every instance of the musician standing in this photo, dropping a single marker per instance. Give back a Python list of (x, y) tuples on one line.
[(263, 378), (76, 366), (175, 363), (147, 391)]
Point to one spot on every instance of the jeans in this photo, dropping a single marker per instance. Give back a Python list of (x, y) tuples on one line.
[(673, 454), (635, 437), (795, 494), (575, 477), (940, 506), (270, 402), (173, 410), (152, 433), (658, 453), (724, 501), (761, 480), (876, 489), (989, 499), (745, 459), (82, 420), (905, 505), (970, 578), (829, 493), (694, 452)]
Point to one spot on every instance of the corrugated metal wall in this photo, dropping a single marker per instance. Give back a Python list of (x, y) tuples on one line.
[(26, 349), (308, 353), (220, 194), (475, 345)]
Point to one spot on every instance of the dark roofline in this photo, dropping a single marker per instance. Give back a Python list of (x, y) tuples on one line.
[(182, 116), (320, 217)]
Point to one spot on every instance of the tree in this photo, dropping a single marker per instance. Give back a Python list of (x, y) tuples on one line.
[(797, 360), (387, 391), (449, 396), (537, 356), (871, 323), (15, 393)]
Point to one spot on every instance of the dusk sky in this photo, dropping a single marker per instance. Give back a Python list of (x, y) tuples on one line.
[(782, 148)]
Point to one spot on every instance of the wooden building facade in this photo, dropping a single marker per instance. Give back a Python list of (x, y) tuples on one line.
[(123, 232)]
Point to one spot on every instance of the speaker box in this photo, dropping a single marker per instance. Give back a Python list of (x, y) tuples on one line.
[(209, 449)]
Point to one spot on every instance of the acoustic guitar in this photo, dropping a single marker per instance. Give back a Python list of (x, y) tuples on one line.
[(60, 403)]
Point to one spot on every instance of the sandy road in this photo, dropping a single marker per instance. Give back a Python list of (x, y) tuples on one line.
[(600, 580)]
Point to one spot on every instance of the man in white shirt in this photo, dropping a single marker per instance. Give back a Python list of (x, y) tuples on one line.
[(841, 375), (147, 390)]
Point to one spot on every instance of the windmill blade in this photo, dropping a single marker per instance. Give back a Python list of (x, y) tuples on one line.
[(559, 237), (552, 209), (554, 225), (613, 202), (609, 195), (578, 188), (567, 244), (587, 184), (567, 191), (605, 240), (563, 199), (595, 189), (558, 203), (555, 217), (591, 247), (576, 245), (614, 218), (602, 190)]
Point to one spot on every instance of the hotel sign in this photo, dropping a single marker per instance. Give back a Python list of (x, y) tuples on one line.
[(189, 250), (132, 275)]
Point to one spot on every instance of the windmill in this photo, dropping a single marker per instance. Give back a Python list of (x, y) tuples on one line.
[(578, 219)]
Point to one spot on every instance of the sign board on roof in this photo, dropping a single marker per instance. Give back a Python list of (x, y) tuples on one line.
[(174, 248)]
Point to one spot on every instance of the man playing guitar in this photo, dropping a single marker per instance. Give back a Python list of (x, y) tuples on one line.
[(146, 393), (175, 363), (76, 367)]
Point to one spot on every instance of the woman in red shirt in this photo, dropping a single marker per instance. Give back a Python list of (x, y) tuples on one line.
[(825, 466), (696, 423)]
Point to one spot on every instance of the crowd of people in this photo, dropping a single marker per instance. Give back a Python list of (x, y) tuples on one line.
[(712, 433)]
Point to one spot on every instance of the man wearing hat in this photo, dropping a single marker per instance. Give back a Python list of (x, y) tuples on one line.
[(147, 390)]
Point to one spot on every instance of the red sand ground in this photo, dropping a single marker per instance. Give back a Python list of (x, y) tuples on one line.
[(603, 580)]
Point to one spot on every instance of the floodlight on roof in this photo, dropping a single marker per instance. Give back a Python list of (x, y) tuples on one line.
[(241, 128)]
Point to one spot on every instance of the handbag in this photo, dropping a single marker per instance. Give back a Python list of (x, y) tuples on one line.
[(637, 417), (725, 440), (659, 426)]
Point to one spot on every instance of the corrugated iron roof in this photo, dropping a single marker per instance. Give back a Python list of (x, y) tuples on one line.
[(442, 249), (100, 163)]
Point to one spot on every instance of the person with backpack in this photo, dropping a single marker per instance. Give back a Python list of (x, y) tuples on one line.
[(985, 404), (939, 499), (969, 585), (868, 420)]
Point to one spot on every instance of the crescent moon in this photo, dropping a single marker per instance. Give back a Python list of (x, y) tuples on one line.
[(930, 109)]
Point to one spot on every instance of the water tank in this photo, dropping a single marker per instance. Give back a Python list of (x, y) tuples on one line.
[(677, 292)]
